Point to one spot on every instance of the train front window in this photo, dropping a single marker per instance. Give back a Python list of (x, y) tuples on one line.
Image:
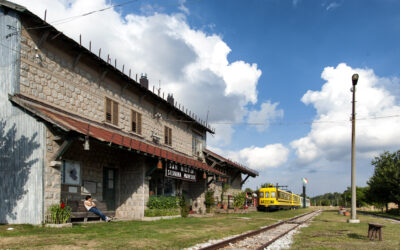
[(261, 194), (272, 194), (266, 194)]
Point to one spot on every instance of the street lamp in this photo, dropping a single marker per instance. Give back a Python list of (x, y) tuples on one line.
[(353, 219)]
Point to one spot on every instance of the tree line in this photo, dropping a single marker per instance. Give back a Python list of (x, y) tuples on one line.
[(383, 187)]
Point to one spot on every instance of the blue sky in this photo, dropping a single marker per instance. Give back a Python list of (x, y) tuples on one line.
[(284, 63)]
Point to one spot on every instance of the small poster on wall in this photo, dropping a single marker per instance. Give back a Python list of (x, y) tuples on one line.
[(72, 173), (89, 187)]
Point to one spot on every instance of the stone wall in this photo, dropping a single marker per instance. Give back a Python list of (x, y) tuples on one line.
[(134, 189), (52, 174), (48, 75), (197, 194)]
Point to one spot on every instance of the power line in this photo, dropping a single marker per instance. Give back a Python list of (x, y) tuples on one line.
[(69, 19), (290, 123)]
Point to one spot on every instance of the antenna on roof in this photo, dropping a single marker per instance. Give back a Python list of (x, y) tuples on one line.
[(208, 111)]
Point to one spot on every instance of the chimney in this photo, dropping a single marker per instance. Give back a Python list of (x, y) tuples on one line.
[(170, 99), (144, 81)]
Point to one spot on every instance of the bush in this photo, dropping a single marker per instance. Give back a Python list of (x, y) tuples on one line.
[(59, 213), (394, 211), (209, 200), (161, 212), (163, 202), (239, 199)]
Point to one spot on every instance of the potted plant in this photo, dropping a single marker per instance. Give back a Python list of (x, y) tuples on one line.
[(239, 200), (59, 215), (225, 188)]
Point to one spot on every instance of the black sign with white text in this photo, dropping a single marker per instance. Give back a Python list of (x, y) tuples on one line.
[(180, 172)]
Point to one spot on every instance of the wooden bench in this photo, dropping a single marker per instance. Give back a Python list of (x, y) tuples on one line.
[(375, 229), (79, 211)]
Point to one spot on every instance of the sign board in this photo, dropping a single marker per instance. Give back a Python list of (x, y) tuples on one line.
[(72, 173), (176, 171)]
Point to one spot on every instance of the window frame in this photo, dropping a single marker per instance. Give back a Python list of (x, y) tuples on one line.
[(114, 111), (167, 136), (135, 115)]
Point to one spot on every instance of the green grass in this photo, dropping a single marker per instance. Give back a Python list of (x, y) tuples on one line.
[(164, 234), (390, 215), (331, 231)]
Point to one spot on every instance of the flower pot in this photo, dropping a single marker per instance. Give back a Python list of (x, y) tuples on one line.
[(225, 206), (346, 213), (63, 225)]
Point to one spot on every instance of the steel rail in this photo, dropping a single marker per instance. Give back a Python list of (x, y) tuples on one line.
[(284, 233), (224, 243)]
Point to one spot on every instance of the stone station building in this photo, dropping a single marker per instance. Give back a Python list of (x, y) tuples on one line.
[(73, 124)]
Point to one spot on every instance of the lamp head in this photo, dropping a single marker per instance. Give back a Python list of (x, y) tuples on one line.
[(354, 78)]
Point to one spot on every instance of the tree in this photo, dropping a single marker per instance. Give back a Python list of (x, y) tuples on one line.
[(361, 198), (385, 183)]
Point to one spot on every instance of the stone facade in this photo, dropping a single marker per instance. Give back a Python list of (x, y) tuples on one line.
[(48, 75)]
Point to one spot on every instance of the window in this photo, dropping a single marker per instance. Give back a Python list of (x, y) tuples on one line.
[(197, 145), (261, 194), (266, 194), (136, 125), (168, 136), (111, 111), (272, 194)]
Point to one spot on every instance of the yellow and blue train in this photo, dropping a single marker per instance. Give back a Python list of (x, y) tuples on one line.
[(271, 198)]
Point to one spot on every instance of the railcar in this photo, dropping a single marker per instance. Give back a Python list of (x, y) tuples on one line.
[(307, 201), (272, 198)]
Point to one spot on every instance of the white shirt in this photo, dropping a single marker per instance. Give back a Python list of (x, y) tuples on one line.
[(87, 206)]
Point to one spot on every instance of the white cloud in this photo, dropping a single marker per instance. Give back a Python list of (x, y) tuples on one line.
[(260, 158), (332, 6), (270, 156), (267, 113), (189, 63), (330, 134)]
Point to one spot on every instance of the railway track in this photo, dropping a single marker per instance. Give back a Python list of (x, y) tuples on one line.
[(262, 238)]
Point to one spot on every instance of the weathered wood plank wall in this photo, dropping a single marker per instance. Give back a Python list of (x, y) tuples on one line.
[(22, 138)]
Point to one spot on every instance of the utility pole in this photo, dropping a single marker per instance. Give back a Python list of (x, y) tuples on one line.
[(353, 219)]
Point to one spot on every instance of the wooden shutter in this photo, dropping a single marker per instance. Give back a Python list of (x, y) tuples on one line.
[(115, 113), (108, 110), (166, 135), (139, 123), (169, 136), (134, 121)]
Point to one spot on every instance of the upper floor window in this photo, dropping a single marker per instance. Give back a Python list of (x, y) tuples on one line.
[(168, 136), (136, 125), (197, 145), (111, 111)]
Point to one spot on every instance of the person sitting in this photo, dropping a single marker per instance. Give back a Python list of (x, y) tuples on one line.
[(91, 207)]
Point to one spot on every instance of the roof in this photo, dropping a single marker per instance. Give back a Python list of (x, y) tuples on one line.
[(80, 50), (244, 169), (102, 132)]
